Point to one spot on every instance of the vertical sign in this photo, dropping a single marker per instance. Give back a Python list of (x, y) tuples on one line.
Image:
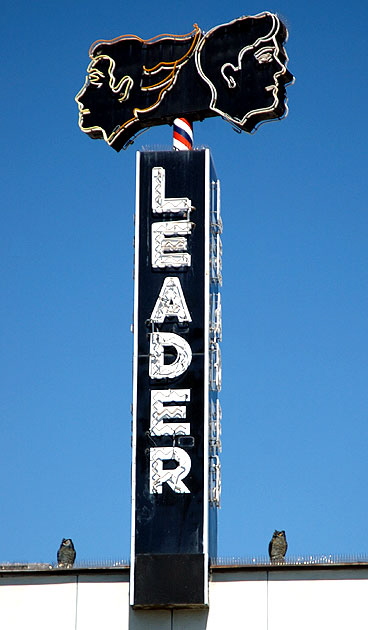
[(177, 376)]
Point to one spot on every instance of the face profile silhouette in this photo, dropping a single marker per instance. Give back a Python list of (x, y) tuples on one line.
[(244, 64), (236, 70), (127, 80)]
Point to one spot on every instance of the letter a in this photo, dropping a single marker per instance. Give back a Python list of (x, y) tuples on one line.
[(171, 302)]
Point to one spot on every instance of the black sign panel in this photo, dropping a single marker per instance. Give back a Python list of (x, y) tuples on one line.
[(171, 502), (236, 70)]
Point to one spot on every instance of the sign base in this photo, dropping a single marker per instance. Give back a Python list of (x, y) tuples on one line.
[(170, 581)]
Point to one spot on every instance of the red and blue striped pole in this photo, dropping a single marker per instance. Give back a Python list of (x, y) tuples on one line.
[(182, 135)]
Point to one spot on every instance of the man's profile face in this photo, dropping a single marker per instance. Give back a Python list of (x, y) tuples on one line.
[(244, 64), (256, 83)]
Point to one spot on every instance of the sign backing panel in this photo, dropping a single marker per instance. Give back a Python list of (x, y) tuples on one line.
[(170, 502)]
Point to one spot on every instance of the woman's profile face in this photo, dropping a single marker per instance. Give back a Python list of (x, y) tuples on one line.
[(127, 79), (100, 94), (97, 84)]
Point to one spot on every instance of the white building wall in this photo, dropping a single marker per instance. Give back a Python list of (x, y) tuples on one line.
[(103, 603), (37, 603), (244, 599), (319, 600)]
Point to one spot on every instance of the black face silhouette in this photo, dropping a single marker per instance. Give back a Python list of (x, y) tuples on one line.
[(127, 81), (104, 96), (237, 70), (248, 77)]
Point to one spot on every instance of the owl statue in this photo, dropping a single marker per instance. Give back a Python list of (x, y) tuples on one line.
[(66, 553), (277, 547)]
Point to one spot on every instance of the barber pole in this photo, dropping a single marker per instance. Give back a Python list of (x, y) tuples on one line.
[(182, 135), (177, 377)]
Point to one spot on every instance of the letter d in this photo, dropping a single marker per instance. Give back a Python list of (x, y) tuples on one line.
[(157, 366)]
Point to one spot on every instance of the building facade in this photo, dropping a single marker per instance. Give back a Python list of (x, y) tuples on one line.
[(259, 597)]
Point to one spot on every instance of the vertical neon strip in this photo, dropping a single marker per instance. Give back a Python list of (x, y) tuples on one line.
[(206, 298), (135, 374)]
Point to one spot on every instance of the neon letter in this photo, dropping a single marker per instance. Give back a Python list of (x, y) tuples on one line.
[(169, 244), (159, 412), (171, 302), (160, 203), (157, 366), (173, 476)]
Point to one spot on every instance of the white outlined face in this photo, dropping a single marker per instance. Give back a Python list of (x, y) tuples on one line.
[(265, 61), (252, 86)]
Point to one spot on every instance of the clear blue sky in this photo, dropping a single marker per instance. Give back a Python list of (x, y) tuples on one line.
[(295, 294)]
